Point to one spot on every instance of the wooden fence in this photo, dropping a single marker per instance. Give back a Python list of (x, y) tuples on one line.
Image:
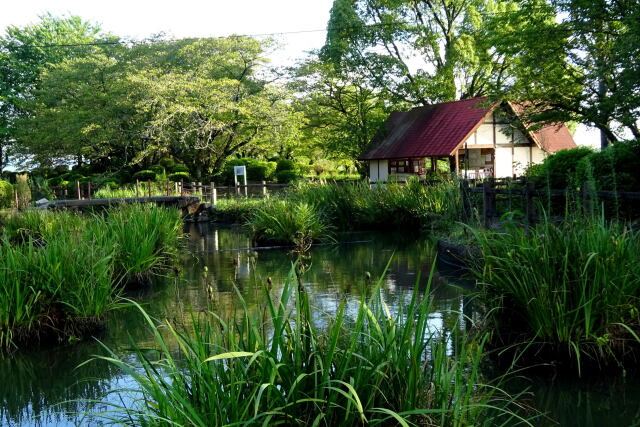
[(207, 192), (523, 194)]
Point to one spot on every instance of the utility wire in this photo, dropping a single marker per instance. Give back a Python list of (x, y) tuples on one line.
[(273, 34)]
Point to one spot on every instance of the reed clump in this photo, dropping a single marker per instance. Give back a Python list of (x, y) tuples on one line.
[(61, 272), (282, 364), (567, 292), (282, 222)]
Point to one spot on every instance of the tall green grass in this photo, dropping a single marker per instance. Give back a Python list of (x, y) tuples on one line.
[(278, 221), (60, 272), (413, 205), (55, 290), (275, 364), (567, 292)]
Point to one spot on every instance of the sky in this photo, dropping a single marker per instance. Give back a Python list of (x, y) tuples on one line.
[(190, 18), (138, 19)]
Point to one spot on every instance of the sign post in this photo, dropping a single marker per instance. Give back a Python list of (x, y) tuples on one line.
[(240, 170)]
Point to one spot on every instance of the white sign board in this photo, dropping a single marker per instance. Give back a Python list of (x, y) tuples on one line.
[(240, 170)]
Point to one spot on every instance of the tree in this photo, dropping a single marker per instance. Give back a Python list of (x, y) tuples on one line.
[(575, 60), (342, 115), (415, 51), (25, 54)]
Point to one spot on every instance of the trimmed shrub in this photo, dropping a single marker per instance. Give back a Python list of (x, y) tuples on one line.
[(6, 194), (179, 167), (179, 176), (144, 175), (287, 176), (167, 163), (158, 169), (285, 165), (558, 170)]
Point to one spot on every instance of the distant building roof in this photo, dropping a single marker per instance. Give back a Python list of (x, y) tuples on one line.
[(437, 130)]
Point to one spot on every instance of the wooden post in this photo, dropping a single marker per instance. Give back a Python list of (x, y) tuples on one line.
[(193, 189), (264, 189), (15, 197), (246, 187), (530, 207), (466, 201), (212, 193), (149, 184), (167, 188), (458, 162), (199, 187), (78, 190), (176, 187), (181, 188), (137, 188), (89, 190), (488, 199)]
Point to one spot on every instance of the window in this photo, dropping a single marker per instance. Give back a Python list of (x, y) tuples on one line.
[(413, 166)]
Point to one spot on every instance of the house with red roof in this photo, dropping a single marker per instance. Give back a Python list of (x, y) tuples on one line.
[(479, 138)]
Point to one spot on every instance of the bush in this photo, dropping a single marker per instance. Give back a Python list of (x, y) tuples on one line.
[(287, 176), (179, 167), (616, 168), (558, 170), (285, 165), (167, 162), (6, 194), (145, 175), (158, 169), (179, 176), (257, 170)]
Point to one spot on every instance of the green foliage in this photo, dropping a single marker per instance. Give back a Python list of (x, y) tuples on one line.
[(567, 292), (144, 175), (285, 165), (168, 163), (617, 168), (47, 290), (179, 176), (281, 222), (284, 363), (559, 169), (6, 194), (158, 169), (257, 170), (287, 176), (179, 167)]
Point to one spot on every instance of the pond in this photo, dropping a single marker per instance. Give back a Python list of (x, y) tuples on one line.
[(215, 263)]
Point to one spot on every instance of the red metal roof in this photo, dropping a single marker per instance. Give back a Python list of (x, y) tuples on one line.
[(436, 130)]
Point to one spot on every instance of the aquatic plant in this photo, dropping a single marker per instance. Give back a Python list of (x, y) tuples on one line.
[(146, 238), (567, 291), (280, 364), (53, 291), (284, 222)]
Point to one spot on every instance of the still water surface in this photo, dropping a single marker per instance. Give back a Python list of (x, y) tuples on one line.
[(33, 383)]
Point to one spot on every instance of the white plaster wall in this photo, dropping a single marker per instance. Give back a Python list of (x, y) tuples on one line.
[(373, 170), (384, 170), (503, 162), (503, 134), (538, 154), (485, 134), (521, 159)]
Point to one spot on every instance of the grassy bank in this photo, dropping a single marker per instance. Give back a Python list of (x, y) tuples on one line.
[(275, 364), (61, 272), (566, 292)]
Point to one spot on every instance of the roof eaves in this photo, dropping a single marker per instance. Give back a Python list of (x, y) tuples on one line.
[(475, 128)]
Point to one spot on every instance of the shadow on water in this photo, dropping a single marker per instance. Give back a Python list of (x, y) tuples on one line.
[(33, 383)]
